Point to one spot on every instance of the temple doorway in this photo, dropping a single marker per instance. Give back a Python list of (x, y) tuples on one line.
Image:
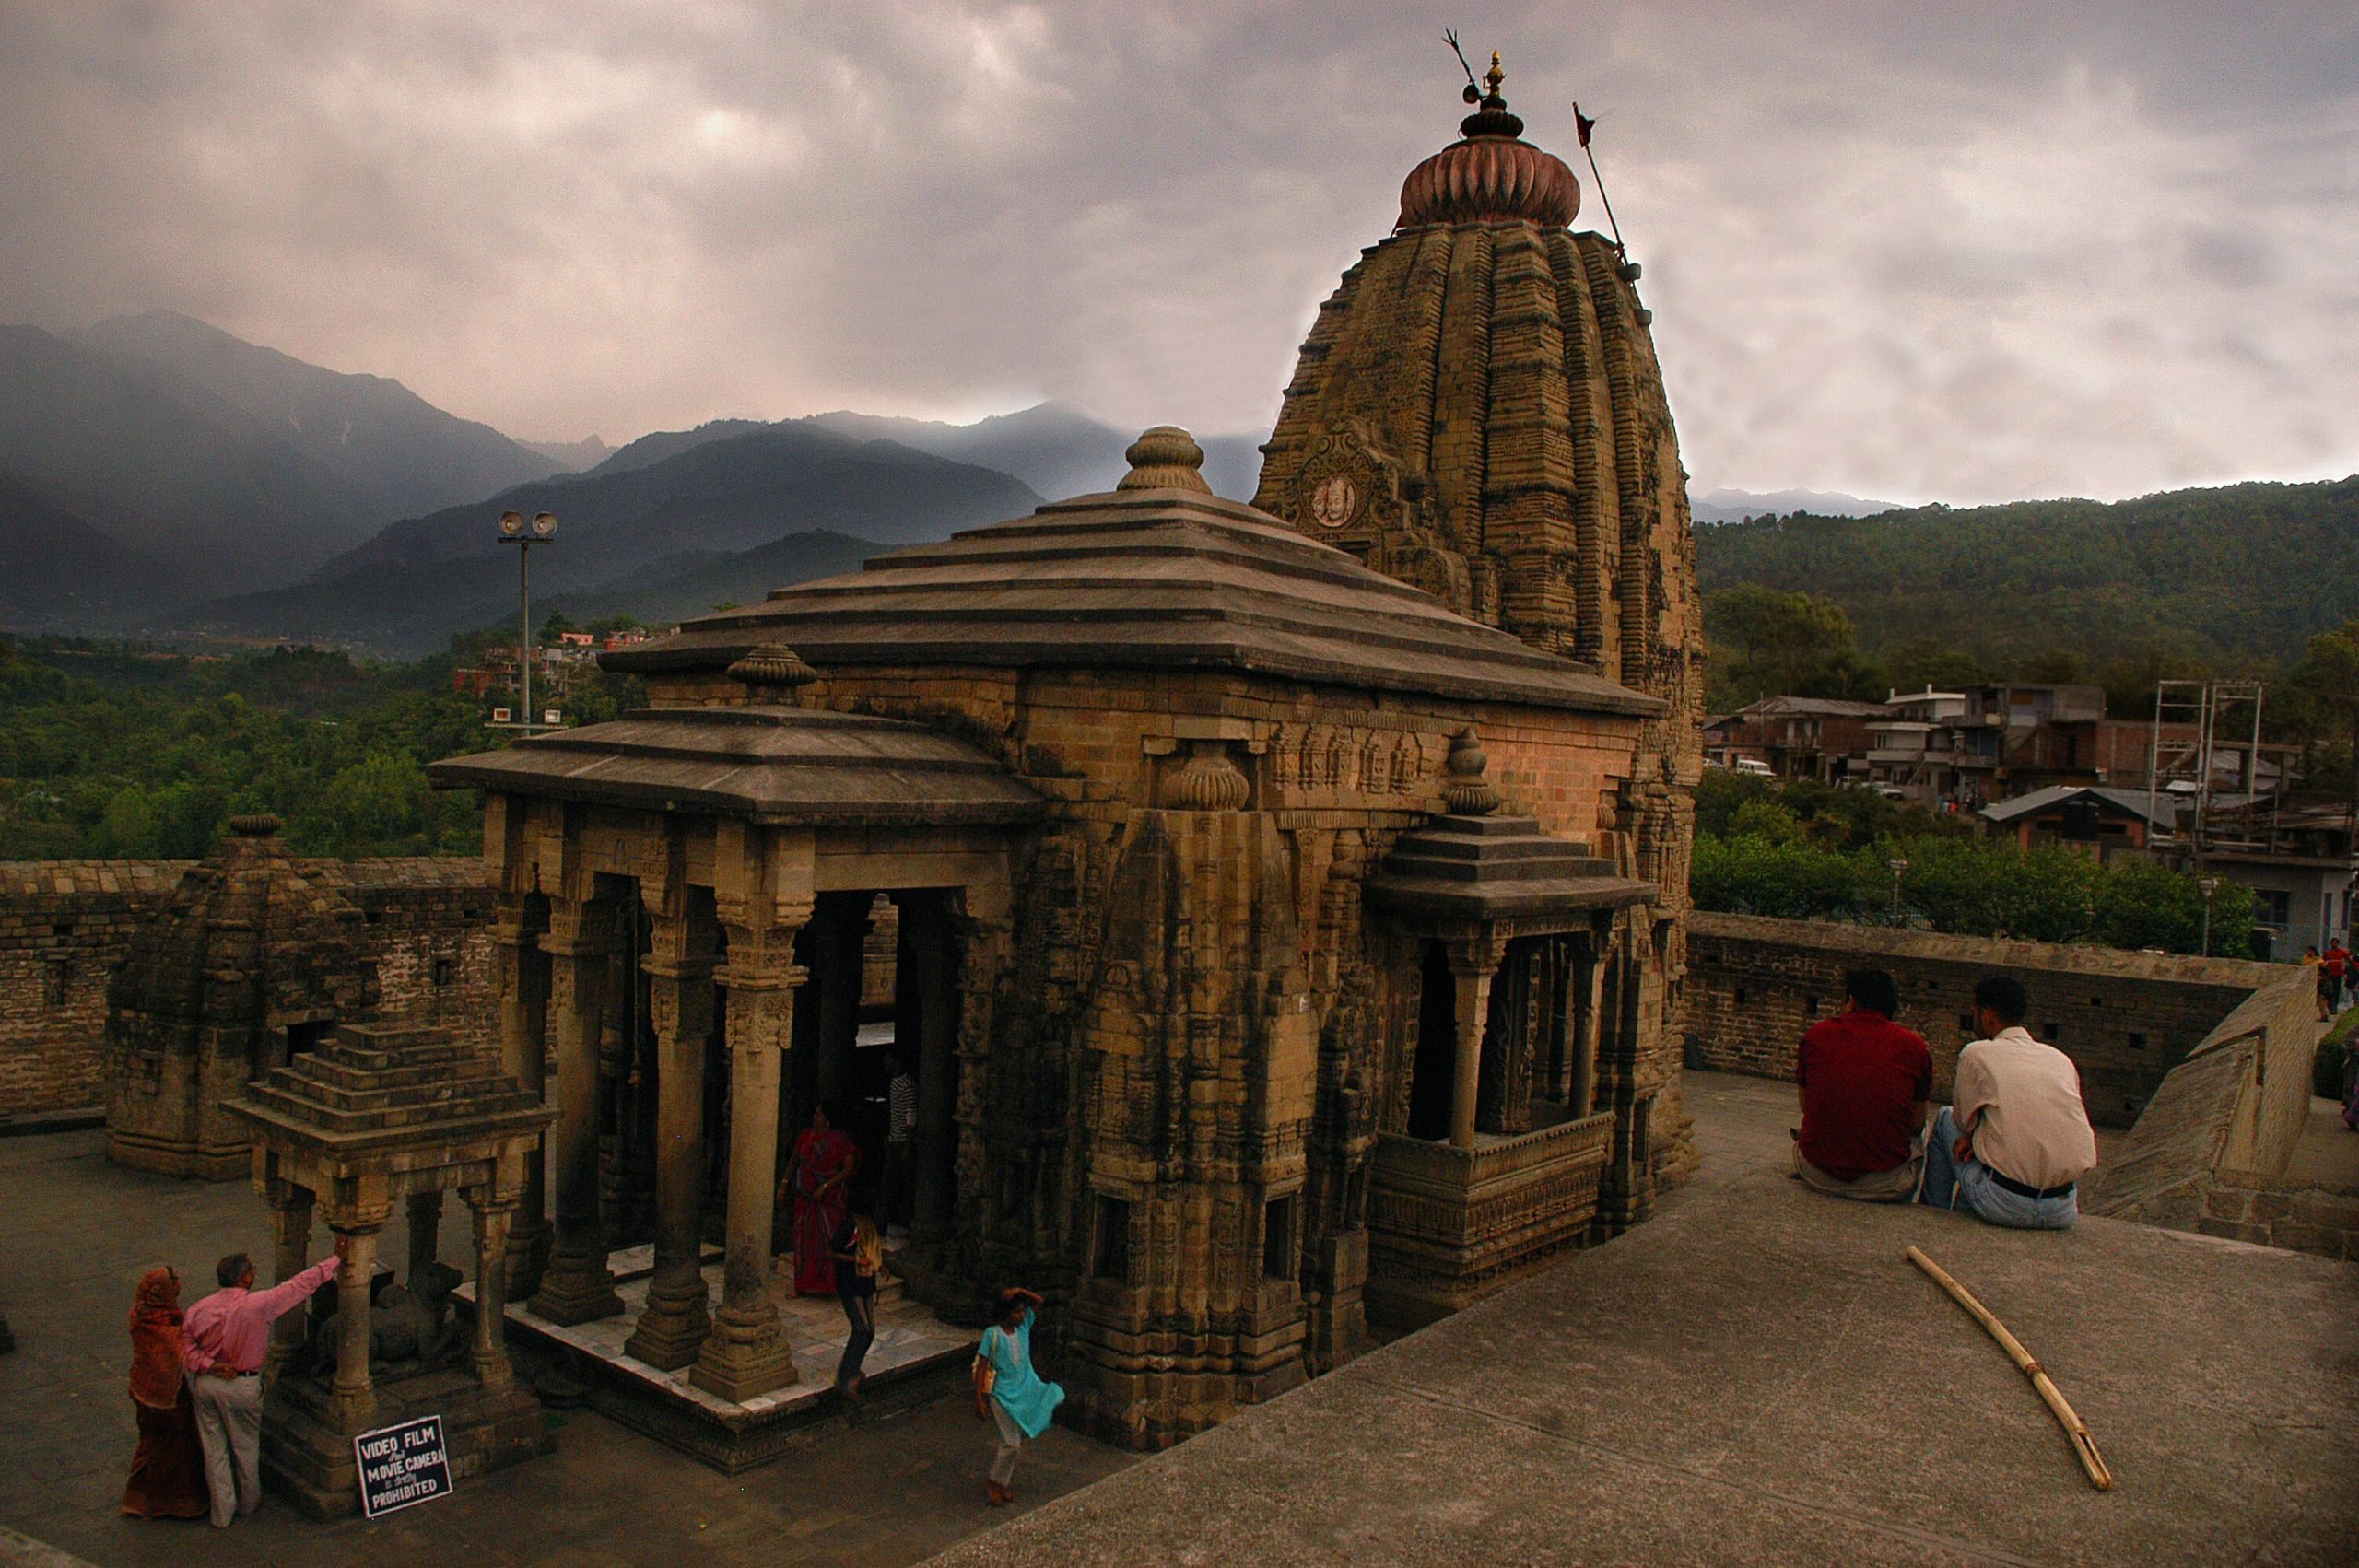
[(881, 999)]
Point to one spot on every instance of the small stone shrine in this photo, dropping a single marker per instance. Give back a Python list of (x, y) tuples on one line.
[(247, 967), (378, 1115)]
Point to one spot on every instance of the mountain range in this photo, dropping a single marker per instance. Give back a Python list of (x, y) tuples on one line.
[(1734, 506), (413, 584), (161, 476)]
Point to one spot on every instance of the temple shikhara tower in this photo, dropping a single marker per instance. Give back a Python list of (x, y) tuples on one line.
[(1286, 903)]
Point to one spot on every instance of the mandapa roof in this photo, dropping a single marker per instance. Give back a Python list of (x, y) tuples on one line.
[(780, 767), (1164, 579)]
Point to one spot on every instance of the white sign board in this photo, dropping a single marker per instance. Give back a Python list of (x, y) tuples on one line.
[(402, 1465)]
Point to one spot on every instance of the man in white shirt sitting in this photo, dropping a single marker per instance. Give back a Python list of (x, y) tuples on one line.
[(2013, 1149)]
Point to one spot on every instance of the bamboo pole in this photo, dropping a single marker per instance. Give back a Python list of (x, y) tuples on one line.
[(2074, 1427)]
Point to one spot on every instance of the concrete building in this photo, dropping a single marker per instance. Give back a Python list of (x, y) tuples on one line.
[(1825, 740)]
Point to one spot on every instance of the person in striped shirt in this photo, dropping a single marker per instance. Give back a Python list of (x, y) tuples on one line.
[(901, 1133)]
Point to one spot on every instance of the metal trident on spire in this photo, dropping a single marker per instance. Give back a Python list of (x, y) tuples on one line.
[(1493, 78), (1473, 93)]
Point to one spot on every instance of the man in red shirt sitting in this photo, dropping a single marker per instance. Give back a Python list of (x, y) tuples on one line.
[(1864, 1082)]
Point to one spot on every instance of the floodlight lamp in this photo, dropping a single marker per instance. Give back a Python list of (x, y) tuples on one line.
[(544, 525), (512, 523)]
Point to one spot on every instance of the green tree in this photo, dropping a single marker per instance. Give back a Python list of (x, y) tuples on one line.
[(1771, 642), (378, 801)]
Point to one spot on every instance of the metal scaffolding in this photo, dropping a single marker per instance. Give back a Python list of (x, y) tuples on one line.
[(2198, 726)]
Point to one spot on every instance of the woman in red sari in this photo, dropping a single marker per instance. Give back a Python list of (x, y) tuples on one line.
[(168, 1470), (825, 1161)]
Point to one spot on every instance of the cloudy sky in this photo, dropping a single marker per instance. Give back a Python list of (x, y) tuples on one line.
[(1915, 252)]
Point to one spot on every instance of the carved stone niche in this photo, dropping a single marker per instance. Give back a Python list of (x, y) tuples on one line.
[(1206, 765), (1356, 496)]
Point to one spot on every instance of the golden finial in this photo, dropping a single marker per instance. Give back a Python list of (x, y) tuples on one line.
[(1495, 78)]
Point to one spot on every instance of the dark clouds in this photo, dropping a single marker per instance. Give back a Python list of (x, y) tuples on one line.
[(1964, 252)]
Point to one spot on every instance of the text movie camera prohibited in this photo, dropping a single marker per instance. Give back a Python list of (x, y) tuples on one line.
[(402, 1465)]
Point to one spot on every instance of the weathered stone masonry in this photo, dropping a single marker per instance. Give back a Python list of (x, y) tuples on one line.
[(67, 926), (1753, 984)]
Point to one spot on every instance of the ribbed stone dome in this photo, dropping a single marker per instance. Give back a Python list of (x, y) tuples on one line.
[(1478, 411), (1491, 176)]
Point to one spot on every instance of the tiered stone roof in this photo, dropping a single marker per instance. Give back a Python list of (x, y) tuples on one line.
[(372, 1085), (778, 766), (1166, 578)]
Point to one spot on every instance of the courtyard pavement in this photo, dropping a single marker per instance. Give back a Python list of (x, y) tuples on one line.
[(76, 1233), (1757, 1377)]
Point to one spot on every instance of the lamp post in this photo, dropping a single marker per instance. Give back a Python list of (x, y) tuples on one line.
[(514, 530), (1899, 864), (2210, 885)]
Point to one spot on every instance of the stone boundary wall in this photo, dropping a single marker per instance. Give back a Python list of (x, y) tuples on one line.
[(2210, 1152), (2127, 1019), (66, 924)]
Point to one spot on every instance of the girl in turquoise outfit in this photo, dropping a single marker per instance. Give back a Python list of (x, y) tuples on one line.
[(1008, 1392)]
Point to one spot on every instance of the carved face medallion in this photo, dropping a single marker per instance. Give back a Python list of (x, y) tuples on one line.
[(1335, 502)]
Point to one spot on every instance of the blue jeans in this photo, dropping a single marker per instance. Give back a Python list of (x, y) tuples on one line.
[(1970, 1186), (859, 1316)]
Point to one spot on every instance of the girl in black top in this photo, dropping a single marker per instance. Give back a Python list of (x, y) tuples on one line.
[(859, 1261)]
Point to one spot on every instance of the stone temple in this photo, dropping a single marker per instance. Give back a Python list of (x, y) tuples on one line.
[(1290, 898)]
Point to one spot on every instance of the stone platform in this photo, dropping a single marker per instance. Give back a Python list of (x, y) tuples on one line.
[(916, 1360), (308, 1459), (1756, 1375)]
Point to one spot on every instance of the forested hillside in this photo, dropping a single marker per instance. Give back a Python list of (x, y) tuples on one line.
[(107, 750), (2232, 577)]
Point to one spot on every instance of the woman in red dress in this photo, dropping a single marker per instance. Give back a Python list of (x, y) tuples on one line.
[(168, 1470), (825, 1161)]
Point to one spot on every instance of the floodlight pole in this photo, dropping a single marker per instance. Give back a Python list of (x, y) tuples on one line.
[(514, 530), (525, 626)]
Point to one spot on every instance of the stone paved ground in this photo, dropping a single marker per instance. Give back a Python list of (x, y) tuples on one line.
[(1757, 1376), (1753, 1377), (74, 1234), (2327, 1154)]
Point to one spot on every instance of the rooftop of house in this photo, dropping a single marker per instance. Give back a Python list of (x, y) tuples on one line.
[(1816, 707), (1759, 1376), (2159, 810)]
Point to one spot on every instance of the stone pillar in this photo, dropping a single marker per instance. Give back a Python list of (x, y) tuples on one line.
[(491, 1220), (747, 1354), (1470, 975), (425, 1234), (672, 1328), (934, 987), (1588, 1004), (290, 1218), (577, 1287), (523, 1019), (352, 1398)]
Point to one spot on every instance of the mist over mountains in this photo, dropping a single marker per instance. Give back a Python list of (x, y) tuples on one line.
[(160, 476), (625, 536)]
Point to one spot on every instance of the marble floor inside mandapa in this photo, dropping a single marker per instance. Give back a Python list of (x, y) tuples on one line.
[(908, 1334)]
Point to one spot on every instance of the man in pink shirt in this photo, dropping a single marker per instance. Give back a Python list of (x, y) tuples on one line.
[(223, 1340)]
